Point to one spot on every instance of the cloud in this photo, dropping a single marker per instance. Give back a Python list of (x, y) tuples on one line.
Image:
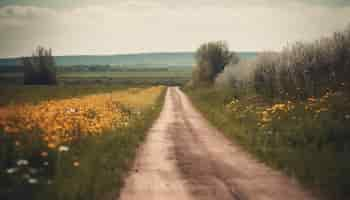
[(170, 3), (28, 12), (135, 26)]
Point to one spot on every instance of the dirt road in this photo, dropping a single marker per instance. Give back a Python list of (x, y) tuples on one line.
[(185, 158)]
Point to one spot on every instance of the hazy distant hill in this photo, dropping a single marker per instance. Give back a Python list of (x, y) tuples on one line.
[(129, 60)]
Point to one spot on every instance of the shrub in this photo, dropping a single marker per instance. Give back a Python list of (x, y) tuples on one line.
[(211, 59), (234, 75), (40, 67), (265, 74), (299, 71)]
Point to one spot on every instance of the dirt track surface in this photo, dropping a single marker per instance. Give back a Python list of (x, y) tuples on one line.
[(184, 158)]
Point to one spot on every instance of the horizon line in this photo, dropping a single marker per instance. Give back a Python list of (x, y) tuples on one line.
[(123, 54)]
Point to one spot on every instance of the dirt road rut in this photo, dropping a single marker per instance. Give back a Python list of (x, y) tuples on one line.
[(184, 158)]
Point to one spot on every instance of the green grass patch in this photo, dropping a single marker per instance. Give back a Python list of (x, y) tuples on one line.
[(180, 73), (127, 76), (308, 140)]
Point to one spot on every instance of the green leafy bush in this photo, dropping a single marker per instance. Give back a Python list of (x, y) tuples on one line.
[(211, 59)]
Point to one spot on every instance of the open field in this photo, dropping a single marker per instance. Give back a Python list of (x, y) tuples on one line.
[(170, 76), (175, 73), (72, 143), (153, 68)]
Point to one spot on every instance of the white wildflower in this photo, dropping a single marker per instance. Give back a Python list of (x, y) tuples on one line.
[(63, 148), (22, 162), (11, 170), (46, 163), (347, 116), (71, 110), (32, 181)]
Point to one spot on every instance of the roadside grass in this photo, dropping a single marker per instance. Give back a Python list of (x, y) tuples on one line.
[(308, 140), (91, 168)]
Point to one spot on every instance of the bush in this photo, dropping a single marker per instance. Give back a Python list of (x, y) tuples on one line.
[(300, 71), (309, 69), (40, 67), (265, 74), (211, 59), (233, 77)]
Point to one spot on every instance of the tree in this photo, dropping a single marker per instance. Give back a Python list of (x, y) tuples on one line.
[(40, 67), (211, 58)]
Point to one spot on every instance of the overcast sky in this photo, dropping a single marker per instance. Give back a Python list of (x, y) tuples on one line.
[(133, 26)]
